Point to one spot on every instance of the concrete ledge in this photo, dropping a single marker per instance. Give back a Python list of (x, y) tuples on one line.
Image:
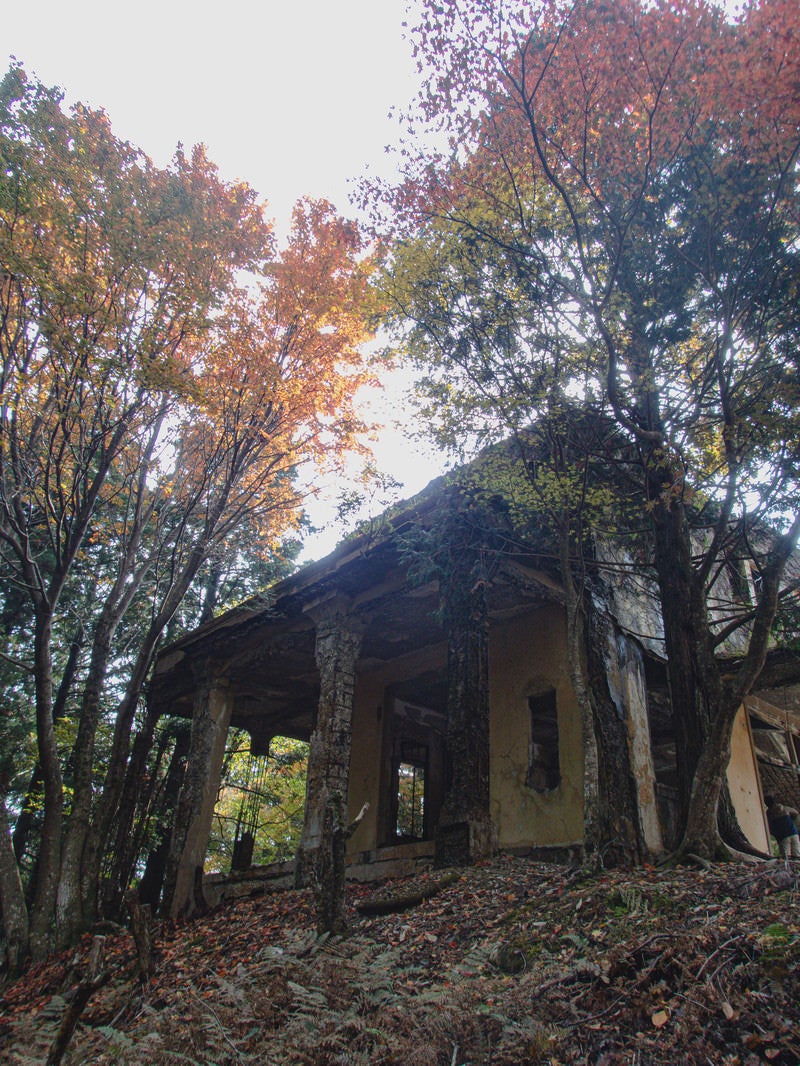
[(399, 860), (257, 880), (555, 854)]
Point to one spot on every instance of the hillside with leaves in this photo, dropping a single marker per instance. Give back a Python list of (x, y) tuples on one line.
[(509, 962)]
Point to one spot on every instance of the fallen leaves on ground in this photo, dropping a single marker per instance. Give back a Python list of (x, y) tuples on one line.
[(514, 962)]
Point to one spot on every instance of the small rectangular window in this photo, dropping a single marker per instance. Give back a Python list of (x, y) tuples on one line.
[(544, 772)]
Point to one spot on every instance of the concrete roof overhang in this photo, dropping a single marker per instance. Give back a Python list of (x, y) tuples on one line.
[(264, 650)]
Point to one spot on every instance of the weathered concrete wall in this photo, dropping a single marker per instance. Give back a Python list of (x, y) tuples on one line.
[(369, 717), (744, 786), (624, 668), (527, 656)]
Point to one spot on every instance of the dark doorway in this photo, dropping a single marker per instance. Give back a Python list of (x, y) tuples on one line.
[(414, 754)]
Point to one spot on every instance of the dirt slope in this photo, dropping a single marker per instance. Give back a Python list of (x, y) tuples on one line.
[(512, 962)]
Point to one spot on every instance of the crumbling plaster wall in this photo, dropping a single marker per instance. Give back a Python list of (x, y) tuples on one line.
[(528, 655)]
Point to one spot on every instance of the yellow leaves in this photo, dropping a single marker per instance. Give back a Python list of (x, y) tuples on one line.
[(129, 350)]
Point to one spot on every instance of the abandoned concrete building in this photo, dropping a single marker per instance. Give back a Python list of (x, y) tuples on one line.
[(354, 654)]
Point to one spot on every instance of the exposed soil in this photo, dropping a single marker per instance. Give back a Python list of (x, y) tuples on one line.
[(513, 962)]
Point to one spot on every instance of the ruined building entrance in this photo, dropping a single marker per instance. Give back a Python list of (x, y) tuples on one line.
[(414, 760)]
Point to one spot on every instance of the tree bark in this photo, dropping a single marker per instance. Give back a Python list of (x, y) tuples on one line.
[(152, 883), (114, 782), (16, 930), (210, 720), (700, 836), (704, 709), (577, 632), (48, 862), (132, 812), (24, 823), (71, 919)]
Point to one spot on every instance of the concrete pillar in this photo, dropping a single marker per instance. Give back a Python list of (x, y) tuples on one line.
[(465, 831), (628, 689), (338, 643), (211, 717)]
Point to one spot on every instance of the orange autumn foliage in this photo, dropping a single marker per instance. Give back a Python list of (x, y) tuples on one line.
[(164, 373), (601, 96)]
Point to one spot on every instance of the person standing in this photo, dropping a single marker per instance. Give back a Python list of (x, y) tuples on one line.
[(783, 826)]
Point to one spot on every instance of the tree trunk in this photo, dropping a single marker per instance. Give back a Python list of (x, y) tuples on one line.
[(24, 824), (16, 930), (577, 632), (108, 801), (701, 835), (152, 882), (132, 812), (71, 918), (703, 720), (210, 719), (48, 862), (673, 561), (114, 782), (25, 821)]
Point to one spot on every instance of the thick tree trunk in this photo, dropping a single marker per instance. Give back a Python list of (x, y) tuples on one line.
[(210, 720), (16, 931), (71, 919), (152, 882), (673, 560), (701, 835), (702, 717), (48, 861)]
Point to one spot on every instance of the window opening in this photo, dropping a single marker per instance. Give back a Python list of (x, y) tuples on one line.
[(544, 772), (410, 823), (258, 817)]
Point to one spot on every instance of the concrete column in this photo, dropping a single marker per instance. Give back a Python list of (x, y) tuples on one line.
[(211, 718), (628, 689), (338, 643), (465, 831)]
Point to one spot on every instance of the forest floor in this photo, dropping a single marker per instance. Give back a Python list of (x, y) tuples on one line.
[(510, 962)]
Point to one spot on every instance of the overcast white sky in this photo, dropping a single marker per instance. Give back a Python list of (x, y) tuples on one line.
[(292, 97)]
